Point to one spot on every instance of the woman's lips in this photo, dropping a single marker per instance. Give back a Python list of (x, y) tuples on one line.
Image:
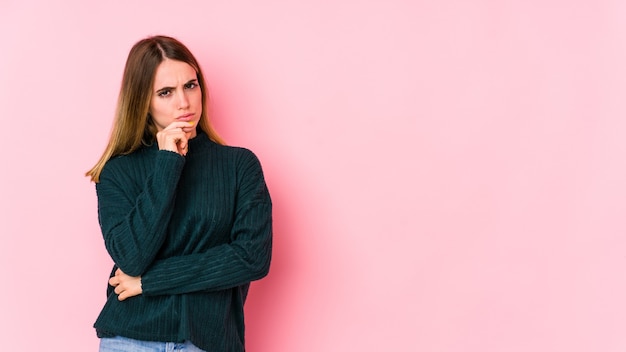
[(186, 117)]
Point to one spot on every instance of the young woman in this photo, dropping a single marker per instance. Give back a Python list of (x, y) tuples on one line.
[(186, 219)]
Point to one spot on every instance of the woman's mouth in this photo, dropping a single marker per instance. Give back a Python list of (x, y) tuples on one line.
[(186, 117)]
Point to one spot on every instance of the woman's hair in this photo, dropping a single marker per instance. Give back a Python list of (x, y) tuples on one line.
[(133, 126)]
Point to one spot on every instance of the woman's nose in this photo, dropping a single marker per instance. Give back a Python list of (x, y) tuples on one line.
[(183, 101)]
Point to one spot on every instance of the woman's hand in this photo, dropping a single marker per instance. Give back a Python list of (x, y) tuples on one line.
[(175, 137), (125, 286)]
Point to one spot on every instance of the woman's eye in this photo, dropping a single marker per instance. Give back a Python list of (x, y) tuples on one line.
[(191, 85), (164, 93)]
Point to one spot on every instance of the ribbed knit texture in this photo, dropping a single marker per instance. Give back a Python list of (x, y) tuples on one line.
[(197, 229)]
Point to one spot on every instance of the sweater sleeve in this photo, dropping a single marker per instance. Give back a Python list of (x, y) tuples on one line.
[(134, 212), (246, 258)]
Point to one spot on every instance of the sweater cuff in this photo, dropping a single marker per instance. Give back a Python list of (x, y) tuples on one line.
[(169, 166)]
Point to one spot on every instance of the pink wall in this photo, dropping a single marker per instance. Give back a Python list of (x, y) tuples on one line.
[(447, 175)]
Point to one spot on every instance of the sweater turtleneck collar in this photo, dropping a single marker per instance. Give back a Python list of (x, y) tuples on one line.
[(200, 142)]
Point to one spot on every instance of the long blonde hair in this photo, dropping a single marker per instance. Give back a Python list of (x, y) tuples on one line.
[(133, 126)]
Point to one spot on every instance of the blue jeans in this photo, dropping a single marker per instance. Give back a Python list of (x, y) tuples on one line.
[(124, 344)]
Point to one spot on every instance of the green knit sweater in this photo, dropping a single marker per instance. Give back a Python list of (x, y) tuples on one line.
[(197, 229)]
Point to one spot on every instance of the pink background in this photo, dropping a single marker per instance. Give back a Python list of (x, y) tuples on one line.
[(447, 175)]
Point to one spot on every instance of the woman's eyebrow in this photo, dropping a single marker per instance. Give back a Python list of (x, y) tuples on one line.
[(193, 80), (163, 89)]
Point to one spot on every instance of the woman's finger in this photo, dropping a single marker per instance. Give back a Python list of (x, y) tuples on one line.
[(122, 296), (114, 281)]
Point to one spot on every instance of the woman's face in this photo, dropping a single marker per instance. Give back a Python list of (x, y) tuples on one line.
[(176, 95)]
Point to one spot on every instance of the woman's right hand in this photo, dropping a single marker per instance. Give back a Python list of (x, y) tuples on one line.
[(175, 137)]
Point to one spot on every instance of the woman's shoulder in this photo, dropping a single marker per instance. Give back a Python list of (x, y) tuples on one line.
[(237, 153), (233, 149), (124, 163), (129, 158)]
